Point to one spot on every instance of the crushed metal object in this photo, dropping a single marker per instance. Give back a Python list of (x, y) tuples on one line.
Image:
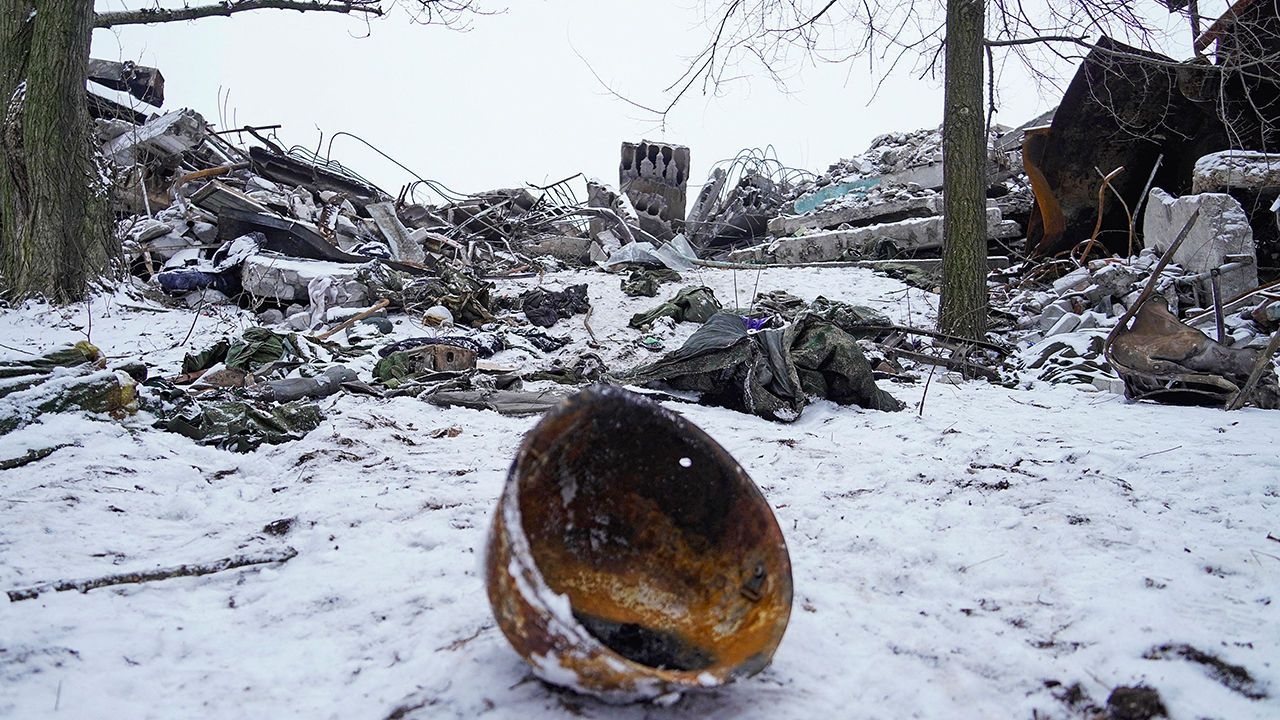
[(1162, 359), (631, 557)]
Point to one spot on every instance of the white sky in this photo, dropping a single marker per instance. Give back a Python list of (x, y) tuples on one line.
[(510, 101)]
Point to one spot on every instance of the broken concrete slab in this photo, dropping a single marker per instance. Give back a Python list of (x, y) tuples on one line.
[(402, 247), (919, 206), (216, 197), (286, 279), (906, 235), (741, 212), (1222, 171), (560, 247), (143, 83), (1221, 232), (294, 171), (167, 135), (655, 177)]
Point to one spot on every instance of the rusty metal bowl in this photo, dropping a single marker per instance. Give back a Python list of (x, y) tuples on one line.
[(632, 557)]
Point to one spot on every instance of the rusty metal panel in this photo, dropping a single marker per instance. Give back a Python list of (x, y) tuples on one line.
[(1124, 108)]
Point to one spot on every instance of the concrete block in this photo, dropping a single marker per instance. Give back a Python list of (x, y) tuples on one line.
[(1051, 315), (1004, 230), (655, 177), (287, 279), (1221, 171), (1222, 229), (1113, 280), (1109, 384), (164, 136), (561, 248), (1073, 281), (1065, 324), (1091, 320), (908, 235)]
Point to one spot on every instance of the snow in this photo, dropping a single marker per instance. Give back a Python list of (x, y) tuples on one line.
[(949, 560)]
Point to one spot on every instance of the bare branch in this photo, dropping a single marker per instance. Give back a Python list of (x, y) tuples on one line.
[(1084, 42), (148, 16)]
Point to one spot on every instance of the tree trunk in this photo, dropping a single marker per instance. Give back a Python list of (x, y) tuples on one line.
[(964, 150), (56, 236), (15, 47)]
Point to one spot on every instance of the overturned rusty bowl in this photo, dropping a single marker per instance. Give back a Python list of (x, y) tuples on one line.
[(631, 556)]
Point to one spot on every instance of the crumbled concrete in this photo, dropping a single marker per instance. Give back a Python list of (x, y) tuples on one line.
[(1221, 230)]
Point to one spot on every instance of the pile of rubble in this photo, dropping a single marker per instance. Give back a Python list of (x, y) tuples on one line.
[(886, 204), (1161, 296), (1198, 264)]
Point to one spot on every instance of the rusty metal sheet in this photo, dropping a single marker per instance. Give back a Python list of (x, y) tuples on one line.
[(1124, 108), (630, 555)]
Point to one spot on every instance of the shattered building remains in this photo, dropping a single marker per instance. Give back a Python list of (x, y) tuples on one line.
[(1164, 190), (1133, 246)]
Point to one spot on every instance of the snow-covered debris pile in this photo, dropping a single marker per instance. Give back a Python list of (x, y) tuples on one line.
[(740, 198), (888, 154), (1021, 525), (885, 204), (1061, 325)]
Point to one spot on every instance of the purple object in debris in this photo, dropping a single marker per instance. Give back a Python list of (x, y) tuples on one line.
[(755, 323)]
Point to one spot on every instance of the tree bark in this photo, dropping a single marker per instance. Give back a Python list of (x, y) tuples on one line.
[(964, 149), (56, 227), (15, 48)]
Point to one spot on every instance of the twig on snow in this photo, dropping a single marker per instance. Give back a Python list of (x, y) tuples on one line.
[(188, 570), (31, 456)]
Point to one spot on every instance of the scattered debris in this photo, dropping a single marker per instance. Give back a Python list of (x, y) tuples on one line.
[(691, 304), (544, 307), (75, 378)]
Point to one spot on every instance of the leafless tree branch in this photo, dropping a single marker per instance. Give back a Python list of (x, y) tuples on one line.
[(226, 8)]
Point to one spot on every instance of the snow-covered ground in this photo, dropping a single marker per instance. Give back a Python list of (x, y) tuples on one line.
[(972, 557)]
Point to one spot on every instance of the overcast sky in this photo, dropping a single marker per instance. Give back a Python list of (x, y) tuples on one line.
[(511, 101)]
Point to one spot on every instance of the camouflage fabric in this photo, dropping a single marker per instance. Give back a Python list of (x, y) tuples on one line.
[(646, 282), (236, 425), (691, 304), (468, 298), (769, 373)]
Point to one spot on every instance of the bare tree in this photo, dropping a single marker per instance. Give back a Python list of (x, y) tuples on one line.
[(950, 37), (55, 227)]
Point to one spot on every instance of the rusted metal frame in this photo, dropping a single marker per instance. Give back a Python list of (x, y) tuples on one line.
[(1180, 380), (1102, 200), (204, 174)]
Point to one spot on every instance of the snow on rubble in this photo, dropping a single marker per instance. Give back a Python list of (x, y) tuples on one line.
[(987, 552)]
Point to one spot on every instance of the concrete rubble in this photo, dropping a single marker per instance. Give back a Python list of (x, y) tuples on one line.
[(233, 216)]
